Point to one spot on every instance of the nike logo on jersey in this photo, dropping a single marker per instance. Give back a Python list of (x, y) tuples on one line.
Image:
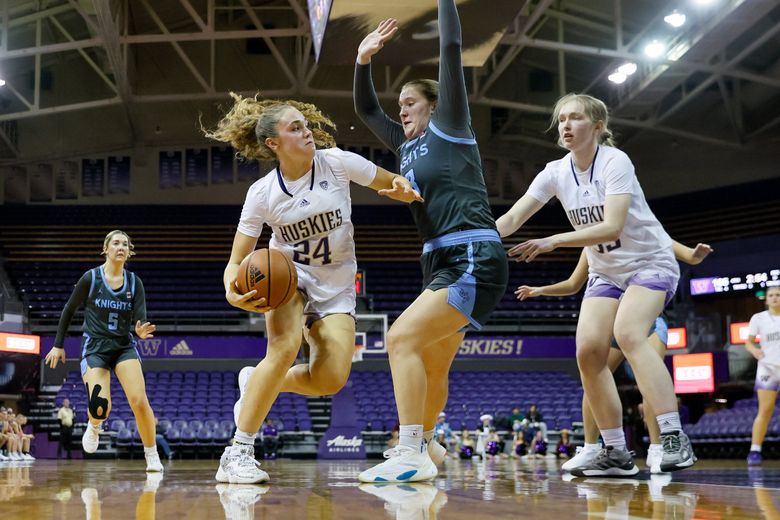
[(311, 226), (586, 215)]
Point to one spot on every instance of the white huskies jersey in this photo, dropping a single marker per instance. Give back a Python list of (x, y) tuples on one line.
[(643, 242), (767, 327), (311, 217)]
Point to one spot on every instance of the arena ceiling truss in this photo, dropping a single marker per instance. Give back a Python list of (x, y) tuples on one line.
[(716, 82)]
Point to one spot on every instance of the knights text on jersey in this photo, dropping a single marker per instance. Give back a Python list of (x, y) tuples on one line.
[(109, 313), (447, 171), (643, 241)]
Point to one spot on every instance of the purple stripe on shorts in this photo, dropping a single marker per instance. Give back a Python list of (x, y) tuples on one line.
[(773, 386), (659, 282), (598, 288)]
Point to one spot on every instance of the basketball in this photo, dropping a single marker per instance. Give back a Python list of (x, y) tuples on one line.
[(269, 272)]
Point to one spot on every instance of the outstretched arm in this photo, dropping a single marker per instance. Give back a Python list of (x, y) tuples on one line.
[(570, 286), (143, 329), (367, 105), (77, 298), (394, 186), (521, 211), (452, 110), (691, 256), (615, 214)]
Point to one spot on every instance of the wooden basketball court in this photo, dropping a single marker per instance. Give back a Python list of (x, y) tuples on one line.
[(98, 489)]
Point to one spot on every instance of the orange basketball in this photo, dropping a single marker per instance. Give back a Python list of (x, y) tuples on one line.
[(269, 272)]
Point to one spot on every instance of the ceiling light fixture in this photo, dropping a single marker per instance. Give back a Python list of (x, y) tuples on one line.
[(654, 49), (627, 68), (676, 19), (617, 77)]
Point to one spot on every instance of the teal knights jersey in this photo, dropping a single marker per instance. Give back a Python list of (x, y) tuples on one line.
[(447, 171), (109, 314)]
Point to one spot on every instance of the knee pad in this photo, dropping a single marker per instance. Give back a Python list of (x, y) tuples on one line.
[(96, 402)]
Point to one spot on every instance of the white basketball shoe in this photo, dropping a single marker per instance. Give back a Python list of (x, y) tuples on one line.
[(403, 464), (91, 438)]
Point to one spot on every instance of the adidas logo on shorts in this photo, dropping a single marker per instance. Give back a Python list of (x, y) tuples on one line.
[(304, 203)]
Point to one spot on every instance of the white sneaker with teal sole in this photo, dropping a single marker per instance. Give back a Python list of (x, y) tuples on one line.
[(403, 464)]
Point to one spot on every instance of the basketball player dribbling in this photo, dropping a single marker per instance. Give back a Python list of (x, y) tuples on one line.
[(657, 338), (306, 202), (464, 264), (113, 300), (633, 275), (765, 324)]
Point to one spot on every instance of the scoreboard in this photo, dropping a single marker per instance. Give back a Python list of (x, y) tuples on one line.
[(743, 282)]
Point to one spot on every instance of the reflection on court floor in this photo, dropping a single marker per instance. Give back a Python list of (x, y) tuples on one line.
[(309, 489)]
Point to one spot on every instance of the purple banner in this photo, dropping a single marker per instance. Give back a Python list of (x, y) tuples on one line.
[(508, 347), (231, 347), (517, 347), (343, 440), (179, 347)]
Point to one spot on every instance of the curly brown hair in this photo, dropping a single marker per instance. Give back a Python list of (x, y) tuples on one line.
[(251, 120)]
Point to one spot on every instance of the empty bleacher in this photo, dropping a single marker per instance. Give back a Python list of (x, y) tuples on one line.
[(195, 410), (557, 395)]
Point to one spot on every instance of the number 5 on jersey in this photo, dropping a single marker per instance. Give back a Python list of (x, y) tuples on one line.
[(321, 250)]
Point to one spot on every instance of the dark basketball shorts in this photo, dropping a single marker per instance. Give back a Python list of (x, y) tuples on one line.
[(472, 266), (105, 353)]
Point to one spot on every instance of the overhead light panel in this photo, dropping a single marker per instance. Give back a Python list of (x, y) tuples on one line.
[(2, 82), (617, 77), (675, 19), (627, 68), (654, 49)]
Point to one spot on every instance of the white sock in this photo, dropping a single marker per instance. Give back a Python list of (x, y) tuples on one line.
[(411, 435), (755, 447), (149, 451), (614, 437), (591, 447), (428, 436), (669, 422), (244, 437), (654, 447)]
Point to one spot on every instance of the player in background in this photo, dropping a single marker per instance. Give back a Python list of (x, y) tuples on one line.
[(114, 300), (464, 265), (633, 275), (306, 202), (765, 324), (657, 338)]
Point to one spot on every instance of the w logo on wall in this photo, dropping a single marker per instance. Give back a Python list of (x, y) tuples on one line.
[(149, 347)]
